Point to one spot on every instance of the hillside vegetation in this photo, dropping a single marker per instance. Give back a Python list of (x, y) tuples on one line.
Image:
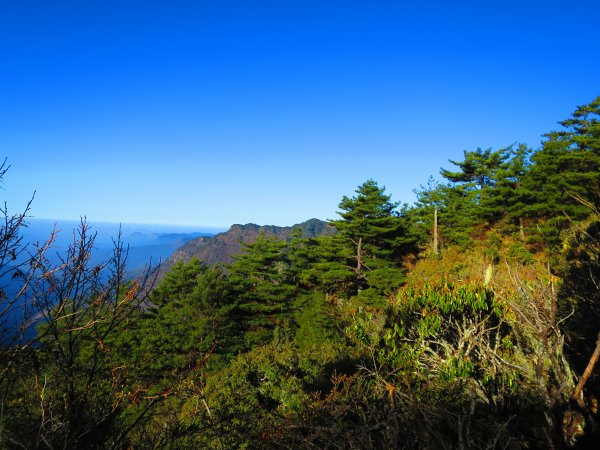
[(468, 320)]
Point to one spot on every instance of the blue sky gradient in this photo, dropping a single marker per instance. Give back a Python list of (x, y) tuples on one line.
[(213, 113)]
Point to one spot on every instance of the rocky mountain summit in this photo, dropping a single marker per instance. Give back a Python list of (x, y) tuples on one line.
[(221, 247)]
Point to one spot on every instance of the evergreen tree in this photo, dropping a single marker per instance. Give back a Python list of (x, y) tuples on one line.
[(264, 286), (314, 320), (564, 171), (479, 170), (192, 314), (507, 198), (582, 129), (455, 213), (322, 264), (471, 188), (375, 228)]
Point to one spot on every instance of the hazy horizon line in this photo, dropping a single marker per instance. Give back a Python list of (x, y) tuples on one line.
[(125, 222), (217, 228)]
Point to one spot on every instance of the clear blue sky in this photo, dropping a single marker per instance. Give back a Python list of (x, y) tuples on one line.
[(221, 112)]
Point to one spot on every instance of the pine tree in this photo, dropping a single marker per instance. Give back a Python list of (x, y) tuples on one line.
[(479, 170), (564, 171), (193, 313), (471, 188), (456, 213), (378, 233), (264, 286), (322, 264), (507, 198)]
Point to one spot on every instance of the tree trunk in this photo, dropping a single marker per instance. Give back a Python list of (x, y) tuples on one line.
[(359, 257), (521, 229), (435, 231)]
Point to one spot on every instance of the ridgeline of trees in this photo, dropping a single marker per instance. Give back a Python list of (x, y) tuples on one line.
[(468, 320)]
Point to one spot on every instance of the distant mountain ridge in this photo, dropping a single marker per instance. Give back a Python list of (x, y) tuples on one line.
[(221, 247)]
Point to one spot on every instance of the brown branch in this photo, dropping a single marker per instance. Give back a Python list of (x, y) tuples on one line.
[(576, 395)]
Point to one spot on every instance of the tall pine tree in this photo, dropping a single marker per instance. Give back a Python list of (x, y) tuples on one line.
[(565, 171), (378, 233), (264, 286)]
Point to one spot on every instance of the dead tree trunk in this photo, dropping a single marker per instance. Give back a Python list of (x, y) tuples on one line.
[(521, 229), (359, 257), (435, 231)]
